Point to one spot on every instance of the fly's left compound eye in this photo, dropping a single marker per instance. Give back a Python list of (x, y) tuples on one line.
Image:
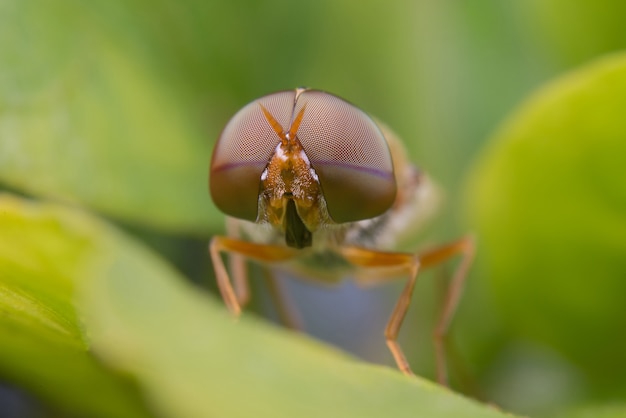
[(349, 154)]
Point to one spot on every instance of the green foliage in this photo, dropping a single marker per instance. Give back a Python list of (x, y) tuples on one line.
[(43, 343), (113, 106), (595, 411), (549, 200), (188, 355), (87, 119), (561, 23)]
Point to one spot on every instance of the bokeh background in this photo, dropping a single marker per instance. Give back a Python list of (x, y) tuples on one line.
[(114, 106)]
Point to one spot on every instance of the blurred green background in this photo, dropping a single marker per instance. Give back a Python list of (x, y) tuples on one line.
[(114, 106)]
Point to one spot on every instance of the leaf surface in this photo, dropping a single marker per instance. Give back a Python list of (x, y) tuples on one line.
[(43, 348), (190, 358), (548, 198)]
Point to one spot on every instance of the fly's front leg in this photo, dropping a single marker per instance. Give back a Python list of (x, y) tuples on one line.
[(258, 252), (390, 265), (397, 317), (237, 266)]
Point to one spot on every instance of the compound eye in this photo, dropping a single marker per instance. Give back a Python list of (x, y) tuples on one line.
[(242, 152), (349, 154)]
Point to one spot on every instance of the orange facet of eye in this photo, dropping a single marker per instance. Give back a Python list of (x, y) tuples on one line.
[(344, 145)]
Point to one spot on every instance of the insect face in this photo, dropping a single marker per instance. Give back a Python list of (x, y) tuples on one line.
[(299, 159)]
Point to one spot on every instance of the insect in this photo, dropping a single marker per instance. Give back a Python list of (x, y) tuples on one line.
[(313, 185)]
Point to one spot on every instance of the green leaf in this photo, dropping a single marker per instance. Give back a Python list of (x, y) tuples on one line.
[(194, 359), (574, 32), (548, 199), (43, 348), (86, 117), (188, 354), (596, 411)]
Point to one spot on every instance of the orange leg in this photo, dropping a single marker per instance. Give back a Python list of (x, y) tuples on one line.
[(387, 266), (466, 248), (393, 263), (390, 264), (239, 272), (259, 252), (237, 267)]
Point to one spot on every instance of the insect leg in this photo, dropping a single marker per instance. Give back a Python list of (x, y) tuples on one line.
[(395, 322), (466, 248), (239, 272), (394, 262), (237, 267), (259, 252)]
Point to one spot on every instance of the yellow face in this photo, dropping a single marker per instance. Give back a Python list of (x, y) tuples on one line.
[(298, 159)]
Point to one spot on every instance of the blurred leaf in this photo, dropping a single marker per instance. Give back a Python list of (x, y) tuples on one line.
[(548, 198), (603, 411), (85, 118), (571, 33), (43, 348), (190, 357)]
